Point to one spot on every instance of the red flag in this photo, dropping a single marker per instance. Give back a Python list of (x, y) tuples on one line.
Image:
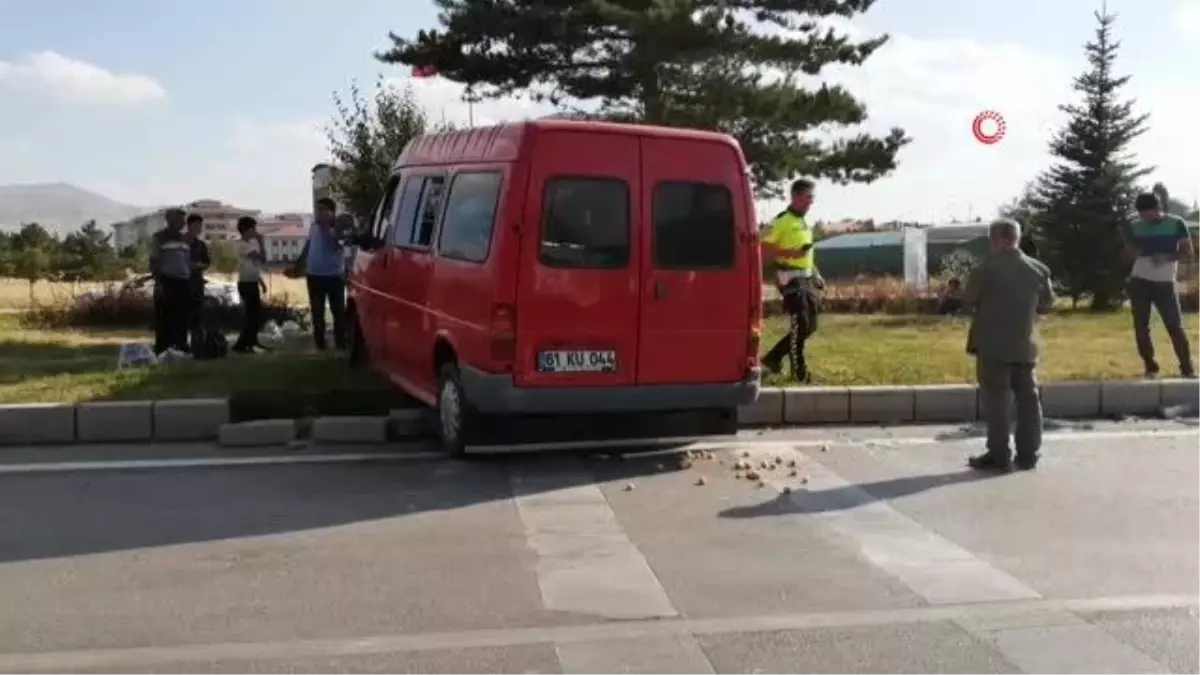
[(424, 71)]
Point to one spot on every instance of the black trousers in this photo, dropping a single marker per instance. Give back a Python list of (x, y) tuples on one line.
[(252, 304), (320, 290), (801, 305), (1162, 296), (172, 314)]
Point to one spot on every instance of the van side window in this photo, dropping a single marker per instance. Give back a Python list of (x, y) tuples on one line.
[(386, 210), (470, 216), (693, 226), (585, 223), (406, 211), (427, 214)]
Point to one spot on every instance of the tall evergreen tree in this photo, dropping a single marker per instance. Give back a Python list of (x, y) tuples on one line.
[(730, 65), (1083, 206)]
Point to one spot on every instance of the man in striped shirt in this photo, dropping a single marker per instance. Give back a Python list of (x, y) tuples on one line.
[(1158, 241)]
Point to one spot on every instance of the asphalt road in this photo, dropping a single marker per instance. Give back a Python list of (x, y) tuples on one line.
[(881, 554)]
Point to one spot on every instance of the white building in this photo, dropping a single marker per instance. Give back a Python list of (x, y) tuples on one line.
[(220, 222), (284, 236)]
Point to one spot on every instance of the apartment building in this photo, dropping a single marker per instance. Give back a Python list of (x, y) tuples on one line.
[(284, 236), (220, 222)]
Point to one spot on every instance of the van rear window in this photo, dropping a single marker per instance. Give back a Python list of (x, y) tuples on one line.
[(693, 226), (585, 223)]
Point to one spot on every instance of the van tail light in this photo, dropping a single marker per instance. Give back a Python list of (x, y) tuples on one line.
[(754, 339), (502, 333)]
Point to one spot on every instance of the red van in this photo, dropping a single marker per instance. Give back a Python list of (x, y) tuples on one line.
[(558, 266)]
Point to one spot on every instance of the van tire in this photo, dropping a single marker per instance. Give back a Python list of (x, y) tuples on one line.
[(456, 421), (357, 354)]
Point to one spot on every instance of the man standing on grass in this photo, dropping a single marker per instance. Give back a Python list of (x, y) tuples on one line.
[(788, 242), (171, 269), (1159, 240), (323, 264), (200, 262), (1007, 292)]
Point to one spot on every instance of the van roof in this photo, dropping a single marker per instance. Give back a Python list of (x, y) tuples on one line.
[(505, 142)]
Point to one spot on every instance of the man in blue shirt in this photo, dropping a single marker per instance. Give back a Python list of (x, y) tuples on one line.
[(1159, 240), (323, 264)]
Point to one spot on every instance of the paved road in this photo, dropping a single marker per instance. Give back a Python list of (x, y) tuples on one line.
[(881, 554)]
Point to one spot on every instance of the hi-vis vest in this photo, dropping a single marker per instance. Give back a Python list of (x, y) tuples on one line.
[(789, 230)]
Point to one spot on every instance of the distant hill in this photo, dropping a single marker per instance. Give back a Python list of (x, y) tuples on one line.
[(59, 207)]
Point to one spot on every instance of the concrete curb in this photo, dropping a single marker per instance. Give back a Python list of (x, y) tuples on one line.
[(208, 419)]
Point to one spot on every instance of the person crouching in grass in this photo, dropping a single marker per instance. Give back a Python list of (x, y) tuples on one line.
[(251, 286)]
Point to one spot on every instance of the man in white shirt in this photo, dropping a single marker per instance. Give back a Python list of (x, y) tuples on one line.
[(251, 286)]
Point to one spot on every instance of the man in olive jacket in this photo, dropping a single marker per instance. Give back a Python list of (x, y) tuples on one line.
[(1006, 293)]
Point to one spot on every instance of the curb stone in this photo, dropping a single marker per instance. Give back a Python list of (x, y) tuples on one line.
[(208, 419)]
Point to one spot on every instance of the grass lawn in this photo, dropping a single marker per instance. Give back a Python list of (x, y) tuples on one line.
[(15, 293), (847, 350)]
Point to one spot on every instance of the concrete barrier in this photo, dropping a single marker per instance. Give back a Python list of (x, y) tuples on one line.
[(349, 430), (257, 433), (197, 419), (945, 403), (1137, 397), (1071, 400), (410, 422), (816, 405), (766, 411), (28, 423), (114, 421), (885, 405), (1181, 393)]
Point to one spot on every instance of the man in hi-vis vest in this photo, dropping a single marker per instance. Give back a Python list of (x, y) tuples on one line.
[(788, 241)]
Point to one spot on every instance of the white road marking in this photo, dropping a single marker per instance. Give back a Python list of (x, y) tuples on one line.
[(1012, 614), (942, 572), (586, 564), (680, 444), (199, 462)]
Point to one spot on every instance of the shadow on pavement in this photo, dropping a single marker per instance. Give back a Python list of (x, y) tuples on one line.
[(842, 498), (54, 515)]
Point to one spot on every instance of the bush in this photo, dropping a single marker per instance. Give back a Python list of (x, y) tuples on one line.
[(872, 295), (125, 307)]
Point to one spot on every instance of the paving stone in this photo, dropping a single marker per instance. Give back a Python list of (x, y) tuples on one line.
[(112, 421), (257, 433), (946, 403), (1132, 397), (767, 410), (349, 429), (198, 419), (885, 405), (816, 405), (1071, 400), (26, 423)]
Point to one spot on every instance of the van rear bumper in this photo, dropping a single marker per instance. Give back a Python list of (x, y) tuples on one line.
[(497, 393)]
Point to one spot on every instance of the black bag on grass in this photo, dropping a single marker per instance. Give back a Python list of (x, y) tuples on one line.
[(209, 344)]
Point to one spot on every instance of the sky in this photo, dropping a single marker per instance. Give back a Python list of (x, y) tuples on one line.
[(152, 102)]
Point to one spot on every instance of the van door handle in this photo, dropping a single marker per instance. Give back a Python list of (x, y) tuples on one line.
[(660, 290)]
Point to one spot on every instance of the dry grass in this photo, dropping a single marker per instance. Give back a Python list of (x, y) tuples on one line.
[(14, 293), (877, 349), (38, 365)]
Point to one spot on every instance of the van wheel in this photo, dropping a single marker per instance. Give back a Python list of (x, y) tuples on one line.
[(358, 345), (456, 420)]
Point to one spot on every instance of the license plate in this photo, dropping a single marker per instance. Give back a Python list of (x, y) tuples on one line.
[(577, 361)]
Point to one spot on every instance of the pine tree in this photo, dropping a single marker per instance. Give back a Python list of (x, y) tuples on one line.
[(1082, 207), (729, 65)]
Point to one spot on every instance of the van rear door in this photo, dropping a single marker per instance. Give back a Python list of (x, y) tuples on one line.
[(577, 289), (696, 293)]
